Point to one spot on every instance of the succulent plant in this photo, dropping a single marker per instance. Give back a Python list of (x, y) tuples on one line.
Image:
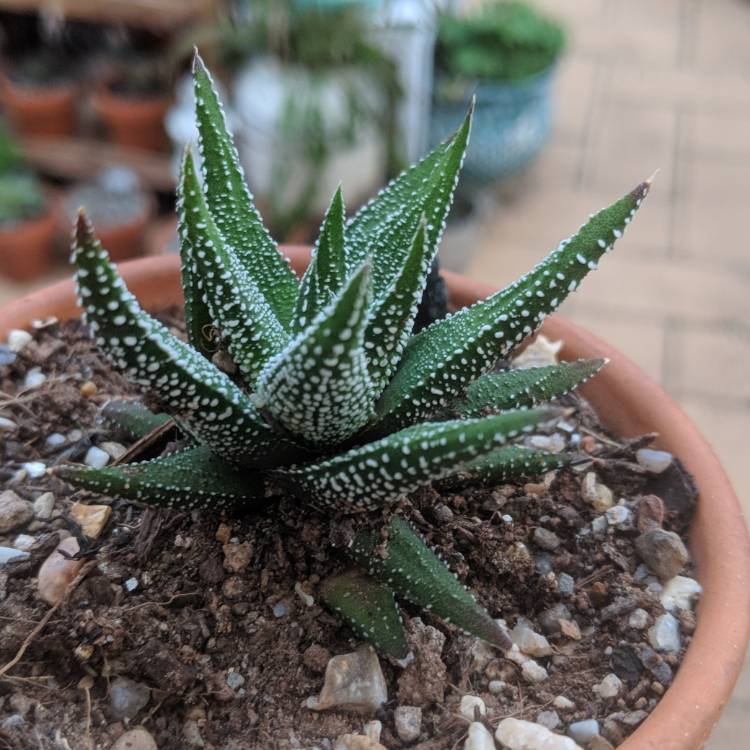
[(330, 396)]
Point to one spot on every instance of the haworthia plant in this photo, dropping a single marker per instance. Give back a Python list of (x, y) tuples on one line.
[(334, 398)]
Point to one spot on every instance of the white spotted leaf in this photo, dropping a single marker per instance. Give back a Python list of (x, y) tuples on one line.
[(231, 202), (381, 472), (318, 388), (326, 272), (384, 228), (441, 360), (203, 399), (194, 478), (237, 307)]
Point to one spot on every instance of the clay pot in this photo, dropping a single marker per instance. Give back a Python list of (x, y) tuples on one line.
[(133, 121), (26, 247), (40, 111), (629, 403)]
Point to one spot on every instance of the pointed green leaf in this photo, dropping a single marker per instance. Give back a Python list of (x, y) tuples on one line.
[(416, 573), (198, 322), (374, 474), (516, 389), (191, 479), (384, 227), (202, 398), (504, 464), (392, 319), (132, 417), (326, 273), (237, 308), (443, 358), (318, 387), (370, 609), (232, 204)]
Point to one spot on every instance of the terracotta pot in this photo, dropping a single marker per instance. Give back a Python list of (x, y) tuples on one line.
[(25, 248), (629, 404), (133, 121), (40, 111)]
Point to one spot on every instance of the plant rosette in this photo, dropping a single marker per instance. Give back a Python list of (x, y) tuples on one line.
[(310, 403)]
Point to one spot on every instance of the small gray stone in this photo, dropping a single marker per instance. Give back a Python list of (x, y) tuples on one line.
[(634, 718), (638, 619), (55, 440), (533, 672), (496, 686), (566, 584), (663, 552), (549, 620), (563, 703), (664, 634), (546, 539), (7, 357), (43, 506), (408, 722), (584, 731), (11, 553), (96, 458), (14, 721), (609, 687), (7, 425), (235, 680), (14, 511), (679, 593), (548, 719), (654, 461), (128, 697), (135, 739), (24, 542), (18, 339), (529, 641), (619, 516), (34, 378)]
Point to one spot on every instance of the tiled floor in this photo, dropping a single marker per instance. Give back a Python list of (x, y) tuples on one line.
[(653, 84)]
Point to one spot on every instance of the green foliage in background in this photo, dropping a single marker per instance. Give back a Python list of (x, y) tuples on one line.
[(501, 41)]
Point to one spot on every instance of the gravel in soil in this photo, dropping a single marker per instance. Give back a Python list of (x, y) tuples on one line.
[(207, 630)]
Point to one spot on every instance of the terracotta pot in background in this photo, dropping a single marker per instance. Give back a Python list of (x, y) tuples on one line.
[(40, 111), (629, 403), (26, 247), (133, 121)]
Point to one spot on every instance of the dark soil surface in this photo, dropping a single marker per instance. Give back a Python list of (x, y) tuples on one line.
[(164, 606)]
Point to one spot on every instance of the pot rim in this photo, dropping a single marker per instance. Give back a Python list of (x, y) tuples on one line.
[(629, 403)]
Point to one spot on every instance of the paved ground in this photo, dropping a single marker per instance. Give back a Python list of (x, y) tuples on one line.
[(650, 85)]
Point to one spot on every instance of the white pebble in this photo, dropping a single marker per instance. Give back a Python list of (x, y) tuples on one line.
[(563, 703), (638, 619), (24, 542), (529, 641), (679, 593), (115, 450), (35, 469), (507, 519), (553, 443), (131, 584), (96, 457), (279, 609), (549, 719), (7, 425), (11, 553), (619, 515), (533, 672), (479, 738), (584, 731), (600, 525), (74, 436), (496, 686), (664, 634), (34, 378), (18, 339), (609, 687), (306, 598), (468, 704), (54, 440), (516, 734), (654, 461)]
